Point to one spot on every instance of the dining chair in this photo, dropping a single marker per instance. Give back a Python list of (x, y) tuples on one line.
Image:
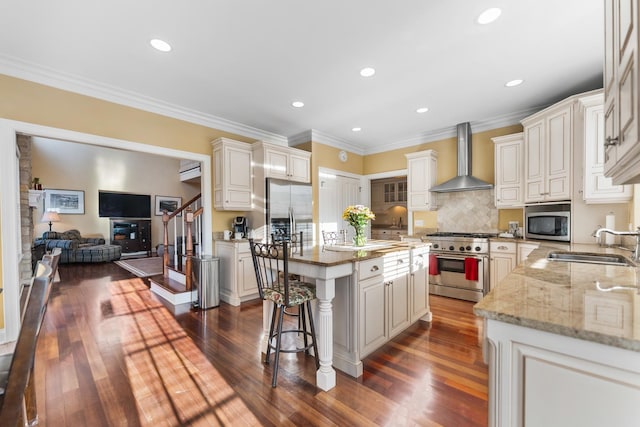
[(275, 284), (333, 237)]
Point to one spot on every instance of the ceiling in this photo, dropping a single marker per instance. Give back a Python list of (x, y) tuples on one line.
[(238, 65)]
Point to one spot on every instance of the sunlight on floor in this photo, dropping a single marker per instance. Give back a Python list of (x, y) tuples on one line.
[(173, 382)]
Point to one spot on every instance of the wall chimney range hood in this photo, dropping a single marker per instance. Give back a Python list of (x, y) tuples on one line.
[(463, 181)]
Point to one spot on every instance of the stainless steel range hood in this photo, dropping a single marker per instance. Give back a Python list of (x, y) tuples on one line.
[(464, 181)]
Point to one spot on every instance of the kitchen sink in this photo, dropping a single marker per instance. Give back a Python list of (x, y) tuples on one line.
[(591, 258)]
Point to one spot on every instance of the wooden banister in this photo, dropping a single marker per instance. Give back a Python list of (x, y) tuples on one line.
[(189, 216)]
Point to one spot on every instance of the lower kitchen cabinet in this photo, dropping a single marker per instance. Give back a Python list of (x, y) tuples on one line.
[(396, 272), (543, 379), (502, 259), (372, 303), (504, 256), (419, 285), (237, 276), (384, 299)]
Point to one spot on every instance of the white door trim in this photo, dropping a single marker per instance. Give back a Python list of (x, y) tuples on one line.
[(10, 223)]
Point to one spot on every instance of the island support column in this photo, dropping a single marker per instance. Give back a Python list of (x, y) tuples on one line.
[(326, 375)]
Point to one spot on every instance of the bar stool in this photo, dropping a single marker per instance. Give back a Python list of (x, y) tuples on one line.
[(271, 264)]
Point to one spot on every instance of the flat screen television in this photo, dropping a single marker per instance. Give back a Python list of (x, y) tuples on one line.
[(123, 205)]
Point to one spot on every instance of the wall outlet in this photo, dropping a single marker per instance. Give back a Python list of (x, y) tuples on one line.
[(418, 223)]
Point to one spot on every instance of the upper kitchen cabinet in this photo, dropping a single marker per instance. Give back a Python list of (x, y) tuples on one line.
[(509, 170), (598, 188), (233, 183), (622, 134), (284, 162), (547, 148), (421, 176)]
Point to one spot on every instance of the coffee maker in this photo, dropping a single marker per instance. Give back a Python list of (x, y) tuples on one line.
[(240, 225)]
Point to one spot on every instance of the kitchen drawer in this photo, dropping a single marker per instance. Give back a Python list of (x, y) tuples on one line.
[(502, 247), (370, 268)]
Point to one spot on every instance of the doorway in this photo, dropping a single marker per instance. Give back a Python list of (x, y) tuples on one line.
[(337, 190), (10, 219)]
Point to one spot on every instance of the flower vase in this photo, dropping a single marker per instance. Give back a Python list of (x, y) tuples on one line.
[(360, 238)]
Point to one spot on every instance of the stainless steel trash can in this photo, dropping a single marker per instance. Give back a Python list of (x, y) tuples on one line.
[(205, 275)]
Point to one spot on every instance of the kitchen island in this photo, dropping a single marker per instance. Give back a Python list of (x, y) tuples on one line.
[(365, 297), (563, 343)]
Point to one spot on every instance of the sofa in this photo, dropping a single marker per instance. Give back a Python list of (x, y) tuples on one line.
[(76, 248)]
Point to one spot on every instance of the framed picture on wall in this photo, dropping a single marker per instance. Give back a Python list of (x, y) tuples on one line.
[(167, 203), (64, 201)]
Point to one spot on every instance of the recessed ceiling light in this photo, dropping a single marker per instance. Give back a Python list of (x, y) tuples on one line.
[(160, 45), (297, 104), (489, 15), (367, 72), (356, 129), (422, 110), (513, 83)]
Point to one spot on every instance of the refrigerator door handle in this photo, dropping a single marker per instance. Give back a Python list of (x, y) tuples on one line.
[(292, 221)]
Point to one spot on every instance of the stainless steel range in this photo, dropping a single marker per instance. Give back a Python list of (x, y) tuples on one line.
[(459, 265)]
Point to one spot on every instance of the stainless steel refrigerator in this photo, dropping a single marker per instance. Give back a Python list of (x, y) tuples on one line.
[(289, 210)]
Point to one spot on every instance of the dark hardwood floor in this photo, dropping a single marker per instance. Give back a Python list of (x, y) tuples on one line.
[(111, 354)]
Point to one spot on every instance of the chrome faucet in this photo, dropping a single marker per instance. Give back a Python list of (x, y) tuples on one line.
[(636, 250)]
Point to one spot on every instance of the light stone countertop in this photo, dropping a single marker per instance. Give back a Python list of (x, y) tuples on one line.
[(598, 303), (328, 256)]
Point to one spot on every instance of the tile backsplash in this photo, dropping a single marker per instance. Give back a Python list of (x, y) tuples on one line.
[(467, 211)]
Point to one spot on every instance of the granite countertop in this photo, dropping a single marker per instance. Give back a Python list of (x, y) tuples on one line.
[(598, 303), (342, 254)]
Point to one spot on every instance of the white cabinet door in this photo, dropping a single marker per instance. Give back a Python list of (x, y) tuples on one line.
[(422, 169), (558, 157), (233, 181), (247, 282), (509, 170), (276, 164), (299, 168), (502, 260), (420, 294), (547, 140), (373, 316), (287, 163), (398, 293), (622, 136), (500, 266), (597, 187)]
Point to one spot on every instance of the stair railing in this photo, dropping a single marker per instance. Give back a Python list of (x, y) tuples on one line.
[(185, 219)]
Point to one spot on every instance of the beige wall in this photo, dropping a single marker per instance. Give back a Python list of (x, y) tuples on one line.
[(43, 105), (74, 166)]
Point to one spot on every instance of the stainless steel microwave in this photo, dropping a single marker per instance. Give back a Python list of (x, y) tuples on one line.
[(548, 222)]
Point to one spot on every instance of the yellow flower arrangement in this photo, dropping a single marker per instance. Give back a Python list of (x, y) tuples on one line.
[(358, 216)]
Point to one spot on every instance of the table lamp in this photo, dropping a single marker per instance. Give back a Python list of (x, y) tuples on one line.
[(50, 217)]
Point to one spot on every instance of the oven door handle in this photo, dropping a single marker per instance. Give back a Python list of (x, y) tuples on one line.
[(460, 257)]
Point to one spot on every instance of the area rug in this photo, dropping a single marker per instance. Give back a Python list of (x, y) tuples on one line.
[(142, 267)]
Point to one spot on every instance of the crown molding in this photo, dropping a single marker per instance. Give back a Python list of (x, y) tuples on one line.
[(21, 69), (326, 139), (448, 132)]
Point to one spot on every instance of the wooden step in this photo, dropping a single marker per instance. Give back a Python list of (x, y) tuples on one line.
[(172, 290)]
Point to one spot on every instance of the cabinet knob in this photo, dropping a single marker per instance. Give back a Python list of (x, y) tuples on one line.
[(609, 142), (374, 268)]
